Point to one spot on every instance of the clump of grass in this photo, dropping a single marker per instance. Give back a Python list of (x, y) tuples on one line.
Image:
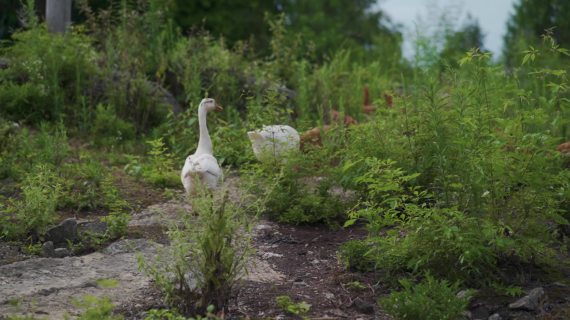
[(208, 253), (36, 210), (159, 169), (298, 191), (430, 299), (298, 309)]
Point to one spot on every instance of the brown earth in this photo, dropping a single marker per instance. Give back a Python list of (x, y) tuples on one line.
[(307, 256)]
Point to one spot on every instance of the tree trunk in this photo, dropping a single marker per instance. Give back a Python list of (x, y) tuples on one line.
[(58, 15)]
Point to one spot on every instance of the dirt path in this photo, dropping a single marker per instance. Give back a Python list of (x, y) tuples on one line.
[(306, 256)]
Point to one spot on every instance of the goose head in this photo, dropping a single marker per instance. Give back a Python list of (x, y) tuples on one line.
[(210, 104)]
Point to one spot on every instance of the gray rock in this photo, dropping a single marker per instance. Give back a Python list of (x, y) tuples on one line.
[(466, 315), (363, 306), (50, 284), (63, 232), (495, 316), (529, 302), (129, 246), (465, 294), (87, 228), (61, 252), (48, 249)]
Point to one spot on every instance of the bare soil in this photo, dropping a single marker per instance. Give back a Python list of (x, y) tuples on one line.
[(307, 257)]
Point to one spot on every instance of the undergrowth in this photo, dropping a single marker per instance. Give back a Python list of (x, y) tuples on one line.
[(208, 253), (431, 299)]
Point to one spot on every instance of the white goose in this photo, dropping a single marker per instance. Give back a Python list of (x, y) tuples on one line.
[(202, 165), (274, 142)]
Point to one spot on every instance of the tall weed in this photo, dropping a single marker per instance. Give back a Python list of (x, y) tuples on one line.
[(431, 299), (36, 210), (207, 254)]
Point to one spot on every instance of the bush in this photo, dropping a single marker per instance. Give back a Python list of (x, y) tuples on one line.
[(47, 76), (230, 144), (449, 244), (424, 237), (25, 149), (443, 242), (298, 191), (41, 190), (207, 254), (117, 220), (431, 299), (355, 255), (384, 192), (110, 130), (96, 308), (82, 189), (160, 168)]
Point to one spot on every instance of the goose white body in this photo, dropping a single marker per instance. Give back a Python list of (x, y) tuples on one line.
[(201, 169), (274, 142)]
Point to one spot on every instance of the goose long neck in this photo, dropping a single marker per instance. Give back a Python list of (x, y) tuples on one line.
[(204, 143)]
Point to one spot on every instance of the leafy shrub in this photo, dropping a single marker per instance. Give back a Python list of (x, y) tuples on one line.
[(109, 129), (424, 237), (41, 190), (293, 202), (431, 299), (96, 308), (180, 132), (354, 255), (88, 184), (82, 186), (159, 170), (25, 149), (207, 254), (485, 151), (117, 220), (230, 141), (298, 309), (442, 241), (384, 192), (298, 191), (46, 76)]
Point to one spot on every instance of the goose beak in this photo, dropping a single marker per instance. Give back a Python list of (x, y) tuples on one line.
[(219, 108)]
